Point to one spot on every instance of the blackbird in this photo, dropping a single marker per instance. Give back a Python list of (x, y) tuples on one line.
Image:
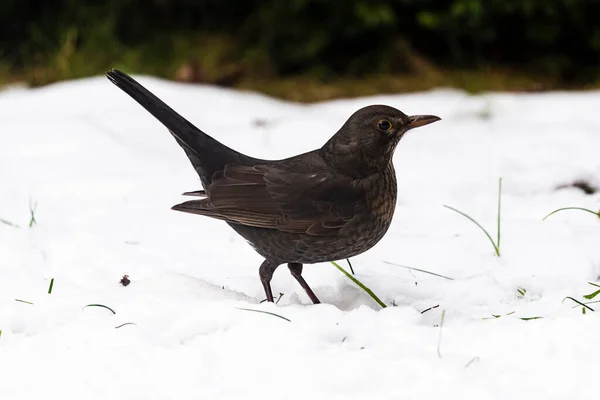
[(327, 204)]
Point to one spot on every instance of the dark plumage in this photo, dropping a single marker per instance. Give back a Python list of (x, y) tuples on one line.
[(327, 204)]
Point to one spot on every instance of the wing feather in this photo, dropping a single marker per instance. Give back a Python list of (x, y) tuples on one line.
[(268, 196)]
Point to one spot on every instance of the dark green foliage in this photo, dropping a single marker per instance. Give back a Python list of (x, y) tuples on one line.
[(557, 38)]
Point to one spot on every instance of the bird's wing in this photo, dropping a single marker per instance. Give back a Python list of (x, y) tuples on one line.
[(267, 196)]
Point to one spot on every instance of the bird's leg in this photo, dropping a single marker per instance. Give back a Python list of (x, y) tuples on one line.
[(266, 273), (296, 270)]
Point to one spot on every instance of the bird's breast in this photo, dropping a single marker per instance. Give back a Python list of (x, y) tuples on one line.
[(380, 198)]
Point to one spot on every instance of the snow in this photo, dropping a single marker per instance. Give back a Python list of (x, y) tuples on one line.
[(102, 175)]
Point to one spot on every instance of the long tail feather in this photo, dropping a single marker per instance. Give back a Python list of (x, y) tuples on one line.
[(206, 154)]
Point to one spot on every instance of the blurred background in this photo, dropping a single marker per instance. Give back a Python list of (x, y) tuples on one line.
[(308, 50)]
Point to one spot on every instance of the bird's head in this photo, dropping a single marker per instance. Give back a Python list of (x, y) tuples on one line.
[(365, 144)]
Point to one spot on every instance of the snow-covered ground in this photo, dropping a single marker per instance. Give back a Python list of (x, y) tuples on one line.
[(102, 174)]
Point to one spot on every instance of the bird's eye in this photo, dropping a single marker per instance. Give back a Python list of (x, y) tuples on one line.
[(384, 125)]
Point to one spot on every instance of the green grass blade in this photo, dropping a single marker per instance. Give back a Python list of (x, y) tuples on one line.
[(494, 316), (587, 302), (597, 214), (7, 222), (578, 302), (590, 302), (24, 301), (480, 227), (529, 318), (475, 359), (32, 207), (51, 286), (418, 270), (264, 312), (360, 284), (499, 209), (594, 284), (125, 324), (591, 295), (99, 305)]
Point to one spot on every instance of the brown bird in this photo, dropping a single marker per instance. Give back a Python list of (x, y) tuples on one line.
[(327, 204)]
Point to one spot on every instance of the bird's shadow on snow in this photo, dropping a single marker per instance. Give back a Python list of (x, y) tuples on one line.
[(345, 297), (200, 289)]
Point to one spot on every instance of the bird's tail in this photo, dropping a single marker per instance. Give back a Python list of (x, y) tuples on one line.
[(206, 154)]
